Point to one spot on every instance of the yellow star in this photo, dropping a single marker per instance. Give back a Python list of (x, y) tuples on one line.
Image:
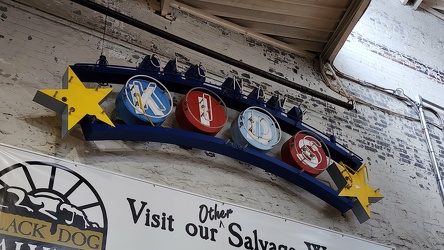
[(74, 101), (353, 184)]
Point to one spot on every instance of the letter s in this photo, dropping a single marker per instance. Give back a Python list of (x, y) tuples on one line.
[(235, 234)]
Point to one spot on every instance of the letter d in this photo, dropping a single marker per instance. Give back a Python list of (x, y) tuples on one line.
[(68, 234)]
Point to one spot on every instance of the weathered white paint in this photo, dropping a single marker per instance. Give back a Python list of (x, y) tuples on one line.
[(36, 48)]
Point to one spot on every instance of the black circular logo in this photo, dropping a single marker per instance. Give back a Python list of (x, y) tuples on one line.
[(48, 206)]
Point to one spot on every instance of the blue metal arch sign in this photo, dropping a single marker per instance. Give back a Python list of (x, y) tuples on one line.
[(255, 131)]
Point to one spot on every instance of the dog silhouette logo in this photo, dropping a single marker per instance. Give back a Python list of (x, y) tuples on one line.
[(50, 207)]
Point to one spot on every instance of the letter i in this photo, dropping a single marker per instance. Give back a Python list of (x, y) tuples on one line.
[(163, 221), (147, 222)]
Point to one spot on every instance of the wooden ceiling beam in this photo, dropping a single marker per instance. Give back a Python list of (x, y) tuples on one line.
[(324, 3), (274, 18), (284, 31), (243, 30), (348, 22), (301, 10), (432, 10), (280, 4), (313, 46), (324, 23), (165, 7), (416, 4), (436, 4)]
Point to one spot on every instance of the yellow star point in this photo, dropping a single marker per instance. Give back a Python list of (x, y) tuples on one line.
[(355, 186), (74, 101)]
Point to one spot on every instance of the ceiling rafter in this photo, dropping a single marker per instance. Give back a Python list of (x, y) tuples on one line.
[(279, 19), (305, 27), (435, 7), (244, 30), (294, 9), (285, 31), (326, 3)]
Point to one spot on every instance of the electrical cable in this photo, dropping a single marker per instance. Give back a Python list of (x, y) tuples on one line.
[(103, 36), (391, 92)]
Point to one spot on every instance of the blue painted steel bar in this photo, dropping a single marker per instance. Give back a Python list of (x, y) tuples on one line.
[(94, 131), (176, 82)]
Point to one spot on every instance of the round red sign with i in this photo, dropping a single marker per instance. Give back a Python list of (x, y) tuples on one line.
[(202, 111)]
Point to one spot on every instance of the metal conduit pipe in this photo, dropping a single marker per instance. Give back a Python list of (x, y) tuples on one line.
[(430, 148), (211, 53), (441, 122)]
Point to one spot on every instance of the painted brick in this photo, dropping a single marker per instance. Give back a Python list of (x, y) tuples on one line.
[(37, 47)]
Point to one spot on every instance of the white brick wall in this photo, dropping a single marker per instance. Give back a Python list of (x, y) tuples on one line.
[(36, 47), (414, 34)]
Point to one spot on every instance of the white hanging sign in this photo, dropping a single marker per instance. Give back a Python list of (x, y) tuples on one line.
[(48, 203)]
